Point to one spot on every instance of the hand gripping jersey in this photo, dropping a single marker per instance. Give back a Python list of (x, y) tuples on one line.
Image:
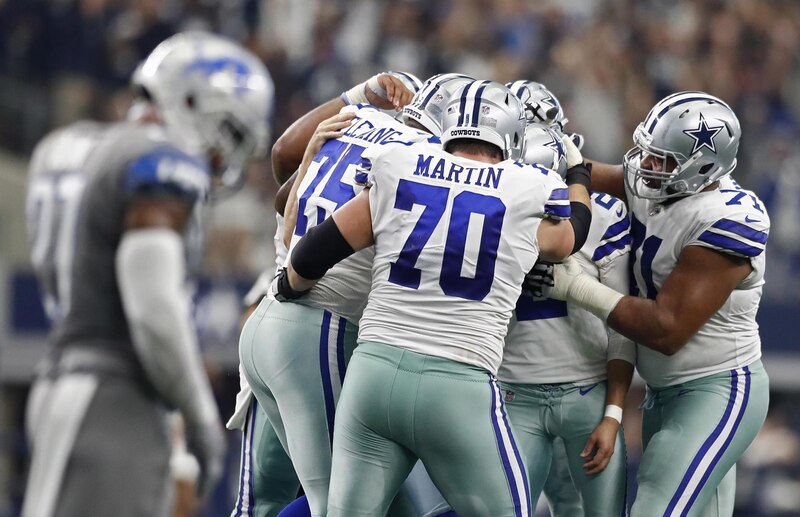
[(552, 341), (56, 180), (729, 220), (330, 183), (454, 239), (130, 160)]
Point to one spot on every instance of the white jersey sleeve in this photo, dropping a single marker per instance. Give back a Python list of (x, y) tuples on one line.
[(330, 183), (453, 240), (729, 220), (552, 341)]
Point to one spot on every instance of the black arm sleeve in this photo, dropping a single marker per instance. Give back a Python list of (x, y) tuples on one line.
[(581, 220), (322, 247)]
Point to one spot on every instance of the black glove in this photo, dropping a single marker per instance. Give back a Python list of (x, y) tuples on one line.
[(539, 282), (282, 289)]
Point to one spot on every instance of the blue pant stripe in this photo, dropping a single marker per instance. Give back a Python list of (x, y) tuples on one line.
[(325, 372), (246, 469), (706, 446), (502, 448), (340, 363), (727, 441)]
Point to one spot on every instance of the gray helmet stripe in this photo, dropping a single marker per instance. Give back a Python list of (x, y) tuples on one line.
[(675, 104)]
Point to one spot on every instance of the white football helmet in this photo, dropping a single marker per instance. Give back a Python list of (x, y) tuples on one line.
[(697, 130), (427, 106), (540, 104), (214, 97), (486, 111), (543, 145)]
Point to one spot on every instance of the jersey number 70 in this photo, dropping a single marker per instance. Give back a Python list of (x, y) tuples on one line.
[(435, 198)]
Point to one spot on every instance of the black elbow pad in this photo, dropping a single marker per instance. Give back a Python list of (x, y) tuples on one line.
[(322, 247), (581, 219)]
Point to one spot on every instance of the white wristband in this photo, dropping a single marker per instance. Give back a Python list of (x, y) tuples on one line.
[(356, 94), (614, 412)]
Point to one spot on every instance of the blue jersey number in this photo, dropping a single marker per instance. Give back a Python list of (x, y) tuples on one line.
[(434, 198), (335, 157), (650, 247)]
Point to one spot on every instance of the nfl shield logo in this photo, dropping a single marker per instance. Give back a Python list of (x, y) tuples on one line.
[(485, 110), (509, 396)]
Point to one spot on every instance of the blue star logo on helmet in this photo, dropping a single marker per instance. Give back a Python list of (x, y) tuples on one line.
[(557, 146), (703, 135)]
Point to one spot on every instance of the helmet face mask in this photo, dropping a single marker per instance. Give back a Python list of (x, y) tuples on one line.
[(541, 106), (696, 132), (486, 111), (214, 98)]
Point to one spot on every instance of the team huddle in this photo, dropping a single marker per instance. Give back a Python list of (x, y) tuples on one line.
[(459, 304)]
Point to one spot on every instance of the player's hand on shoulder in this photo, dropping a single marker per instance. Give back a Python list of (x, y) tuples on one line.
[(539, 281), (207, 443), (329, 129)]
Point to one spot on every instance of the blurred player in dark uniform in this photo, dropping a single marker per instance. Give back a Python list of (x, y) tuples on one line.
[(125, 348)]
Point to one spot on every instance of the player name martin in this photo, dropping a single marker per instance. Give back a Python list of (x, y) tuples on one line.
[(431, 167)]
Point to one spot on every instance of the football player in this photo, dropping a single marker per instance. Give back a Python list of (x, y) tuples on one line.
[(698, 249), (267, 480), (300, 367), (561, 368), (125, 351), (454, 229)]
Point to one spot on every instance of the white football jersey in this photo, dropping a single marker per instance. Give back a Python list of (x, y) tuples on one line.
[(454, 239), (330, 183), (552, 341), (729, 220)]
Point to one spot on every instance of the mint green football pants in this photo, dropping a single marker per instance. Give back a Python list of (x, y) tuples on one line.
[(540, 413), (693, 434), (294, 358), (267, 482), (397, 406)]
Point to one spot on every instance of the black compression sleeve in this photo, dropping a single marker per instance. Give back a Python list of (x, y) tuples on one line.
[(581, 220), (322, 247)]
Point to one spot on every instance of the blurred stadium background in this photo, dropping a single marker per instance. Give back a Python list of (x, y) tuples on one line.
[(607, 60)]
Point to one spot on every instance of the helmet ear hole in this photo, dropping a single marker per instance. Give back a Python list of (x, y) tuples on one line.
[(190, 101), (705, 168)]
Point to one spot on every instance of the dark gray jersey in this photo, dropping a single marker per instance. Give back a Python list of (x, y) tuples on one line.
[(131, 160), (56, 179)]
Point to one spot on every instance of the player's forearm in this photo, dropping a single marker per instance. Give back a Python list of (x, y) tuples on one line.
[(643, 321), (619, 375), (150, 272), (608, 178), (282, 197), (288, 150)]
